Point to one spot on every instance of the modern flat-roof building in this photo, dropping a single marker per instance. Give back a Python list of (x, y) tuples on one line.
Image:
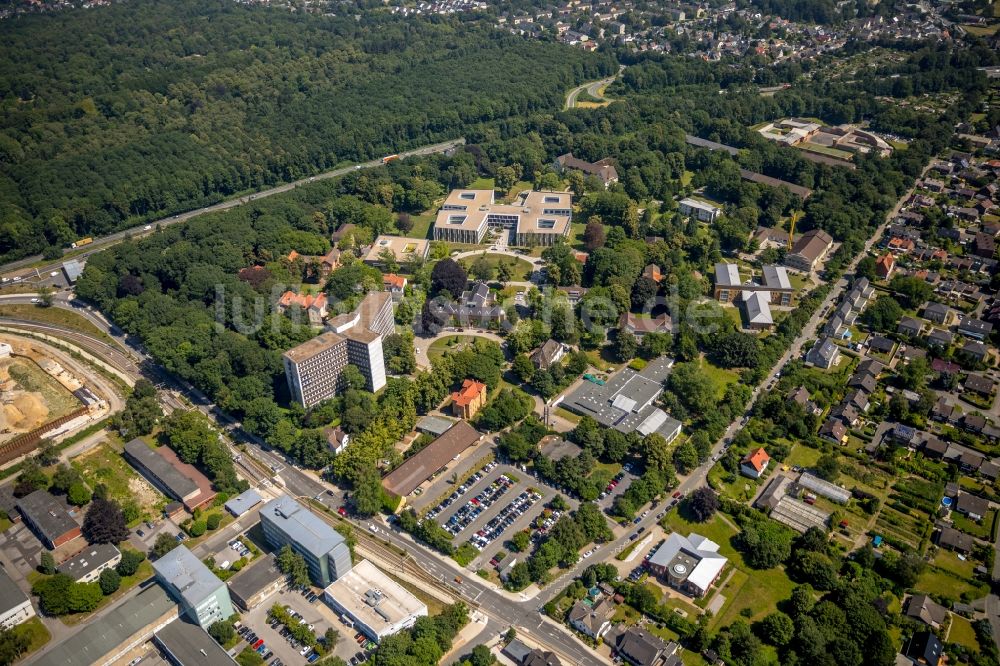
[(15, 606), (809, 250), (202, 596), (189, 645), (700, 210), (429, 460), (114, 633), (626, 402), (537, 218), (376, 604), (177, 479), (403, 249), (252, 586), (314, 368), (773, 283), (286, 522), (690, 564), (87, 566), (49, 517)]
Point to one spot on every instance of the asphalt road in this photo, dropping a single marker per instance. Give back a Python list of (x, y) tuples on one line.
[(20, 268), (591, 89)]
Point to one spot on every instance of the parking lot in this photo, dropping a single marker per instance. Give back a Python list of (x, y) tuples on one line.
[(315, 613), (513, 510)]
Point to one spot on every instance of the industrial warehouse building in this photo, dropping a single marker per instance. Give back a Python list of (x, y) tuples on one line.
[(377, 605)]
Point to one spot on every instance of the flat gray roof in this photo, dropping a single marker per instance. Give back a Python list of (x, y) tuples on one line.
[(11, 596), (301, 525), (190, 645), (626, 401), (48, 513), (244, 502), (254, 578), (93, 642), (435, 425), (183, 570), (178, 484)]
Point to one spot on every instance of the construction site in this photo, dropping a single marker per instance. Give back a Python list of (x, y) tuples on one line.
[(44, 394)]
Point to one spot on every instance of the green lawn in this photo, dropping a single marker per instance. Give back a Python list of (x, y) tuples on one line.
[(721, 377), (939, 582), (948, 560), (422, 224), (36, 632), (969, 526), (563, 413), (961, 632), (803, 456), (456, 342), (521, 269), (482, 184)]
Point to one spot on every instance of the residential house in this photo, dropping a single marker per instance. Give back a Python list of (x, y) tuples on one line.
[(641, 648), (943, 411), (881, 344), (910, 327), (652, 272), (336, 439), (937, 313), (984, 245), (922, 608), (592, 620), (935, 448), (395, 285), (833, 430), (467, 401), (476, 307), (939, 337), (639, 326), (754, 464), (976, 329), (976, 351), (809, 250), (952, 539), (979, 384), (924, 649), (974, 422), (329, 263), (884, 265), (314, 305), (973, 506), (550, 353), (824, 353)]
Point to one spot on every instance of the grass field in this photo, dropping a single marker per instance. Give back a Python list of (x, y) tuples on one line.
[(521, 269), (961, 632), (803, 456), (422, 224), (36, 632), (54, 316), (438, 348), (980, 530), (942, 583)]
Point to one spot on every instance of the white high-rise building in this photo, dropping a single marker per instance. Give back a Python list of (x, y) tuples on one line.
[(314, 369)]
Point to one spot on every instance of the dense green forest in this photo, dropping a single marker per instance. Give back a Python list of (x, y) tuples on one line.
[(115, 115)]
